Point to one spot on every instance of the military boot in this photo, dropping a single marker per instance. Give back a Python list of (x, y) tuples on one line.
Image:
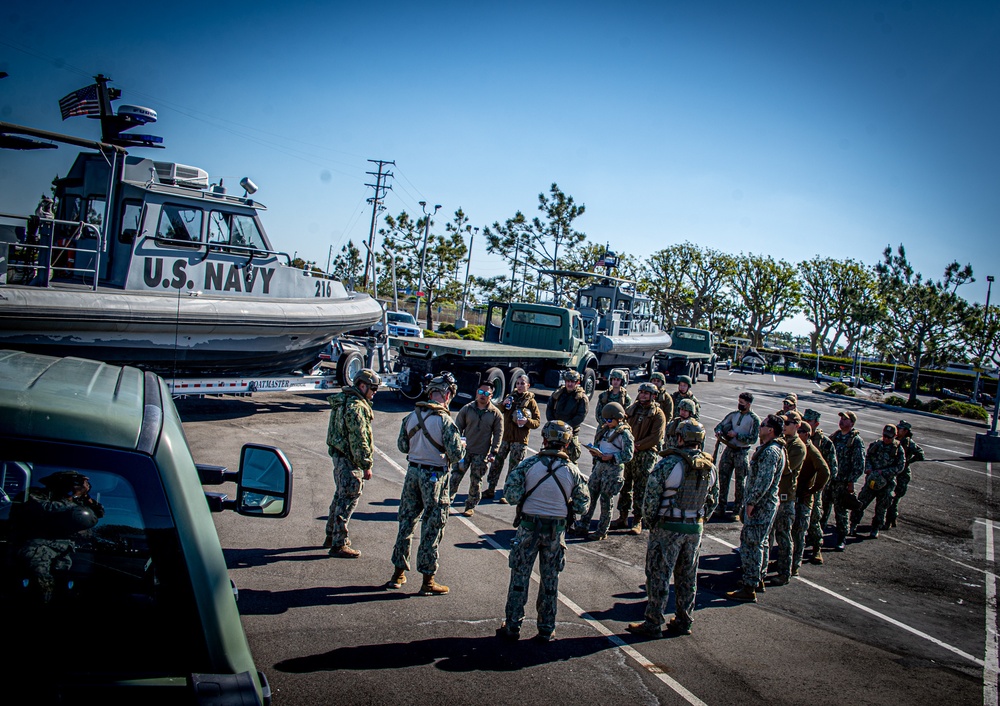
[(397, 580), (645, 628), (743, 595), (841, 542), (344, 552), (636, 526), (817, 557), (619, 524), (489, 493), (431, 587)]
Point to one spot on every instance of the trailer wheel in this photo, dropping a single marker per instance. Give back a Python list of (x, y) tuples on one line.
[(589, 382), (515, 373), (495, 376), (348, 365), (711, 374)]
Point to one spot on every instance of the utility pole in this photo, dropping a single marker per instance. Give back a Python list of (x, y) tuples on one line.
[(381, 188), (465, 296), (423, 256)]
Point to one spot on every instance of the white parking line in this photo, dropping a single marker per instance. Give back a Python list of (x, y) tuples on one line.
[(653, 669)]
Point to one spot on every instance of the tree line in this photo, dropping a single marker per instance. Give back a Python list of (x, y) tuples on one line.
[(887, 310)]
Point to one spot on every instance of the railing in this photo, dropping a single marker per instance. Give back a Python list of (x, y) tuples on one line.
[(252, 253), (34, 260)]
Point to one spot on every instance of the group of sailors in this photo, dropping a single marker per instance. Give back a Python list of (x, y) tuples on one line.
[(649, 461)]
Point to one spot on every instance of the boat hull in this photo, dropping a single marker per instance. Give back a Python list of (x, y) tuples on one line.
[(629, 351), (178, 333)]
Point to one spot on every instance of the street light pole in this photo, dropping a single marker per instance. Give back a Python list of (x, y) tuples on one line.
[(423, 256), (395, 282), (465, 295)]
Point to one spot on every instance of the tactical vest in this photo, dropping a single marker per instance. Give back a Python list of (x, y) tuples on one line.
[(695, 483)]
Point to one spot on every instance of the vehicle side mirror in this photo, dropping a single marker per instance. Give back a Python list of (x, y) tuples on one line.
[(264, 482)]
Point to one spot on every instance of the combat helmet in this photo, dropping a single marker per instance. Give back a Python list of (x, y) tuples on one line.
[(617, 373), (367, 376), (557, 431), (658, 376), (692, 432), (572, 376), (688, 405), (648, 387), (445, 382), (684, 378), (613, 410)]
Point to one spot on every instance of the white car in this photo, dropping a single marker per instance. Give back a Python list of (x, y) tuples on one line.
[(400, 324)]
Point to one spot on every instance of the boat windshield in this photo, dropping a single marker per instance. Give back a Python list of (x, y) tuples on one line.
[(235, 229)]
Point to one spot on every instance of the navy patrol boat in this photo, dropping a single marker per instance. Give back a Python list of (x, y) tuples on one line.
[(145, 263)]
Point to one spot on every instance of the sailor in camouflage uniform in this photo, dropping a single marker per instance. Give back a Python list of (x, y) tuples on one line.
[(766, 466), (647, 423), (431, 442), (48, 526), (685, 410), (913, 453), (737, 430), (615, 393), (784, 518), (614, 447), (548, 490), (814, 475), (349, 442), (883, 462), (682, 491), (569, 404), (850, 465), (814, 537), (663, 398), (683, 392)]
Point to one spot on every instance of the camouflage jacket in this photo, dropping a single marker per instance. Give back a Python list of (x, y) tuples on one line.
[(745, 424), (884, 460), (850, 455), (648, 425), (912, 451), (822, 442), (666, 403), (658, 483), (579, 495), (349, 433), (569, 408), (621, 439), (609, 395), (677, 396), (766, 465)]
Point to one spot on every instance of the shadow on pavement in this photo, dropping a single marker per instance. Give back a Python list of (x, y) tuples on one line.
[(242, 558), (449, 654), (257, 602)]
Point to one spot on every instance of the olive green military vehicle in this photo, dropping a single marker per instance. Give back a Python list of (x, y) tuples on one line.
[(113, 585)]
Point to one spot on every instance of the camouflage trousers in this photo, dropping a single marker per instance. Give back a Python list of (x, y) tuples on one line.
[(801, 526), (604, 484), (814, 536), (574, 449), (478, 468), (545, 541), (516, 450), (902, 483), (634, 486), (425, 495), (43, 557), (882, 498), (672, 552), (754, 543), (349, 482), (738, 461), (833, 495), (784, 518)]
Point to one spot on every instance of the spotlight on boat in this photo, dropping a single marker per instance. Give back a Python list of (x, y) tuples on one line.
[(248, 186)]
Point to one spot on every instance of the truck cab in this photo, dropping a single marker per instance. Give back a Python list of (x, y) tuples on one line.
[(553, 328)]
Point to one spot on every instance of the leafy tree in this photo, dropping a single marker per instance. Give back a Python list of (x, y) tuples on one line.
[(556, 231), (512, 242), (348, 264), (926, 315), (838, 296), (444, 254), (768, 290), (980, 336), (402, 241)]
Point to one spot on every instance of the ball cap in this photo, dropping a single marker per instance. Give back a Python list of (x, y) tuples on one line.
[(791, 397), (889, 429), (811, 415), (906, 426), (792, 417), (849, 415)]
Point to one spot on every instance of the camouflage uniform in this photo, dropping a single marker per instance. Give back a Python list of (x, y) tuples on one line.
[(883, 463), (647, 423), (814, 475), (850, 465), (766, 466), (674, 543), (425, 491), (677, 396), (913, 453), (572, 409), (608, 476), (349, 443), (819, 516), (542, 537), (610, 395), (734, 456), (663, 398), (784, 518), (515, 437)]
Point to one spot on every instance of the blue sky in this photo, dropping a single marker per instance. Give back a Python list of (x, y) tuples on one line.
[(786, 128)]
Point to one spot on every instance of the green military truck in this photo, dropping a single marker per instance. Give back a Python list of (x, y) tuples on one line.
[(691, 353), (540, 340), (113, 581)]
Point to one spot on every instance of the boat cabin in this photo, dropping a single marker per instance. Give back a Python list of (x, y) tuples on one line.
[(613, 307)]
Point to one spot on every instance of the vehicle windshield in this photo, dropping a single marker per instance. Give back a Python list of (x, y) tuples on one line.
[(399, 317), (93, 571)]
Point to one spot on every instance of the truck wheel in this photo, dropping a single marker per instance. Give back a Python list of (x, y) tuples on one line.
[(348, 365), (711, 374), (515, 373), (495, 376), (692, 372), (589, 382)]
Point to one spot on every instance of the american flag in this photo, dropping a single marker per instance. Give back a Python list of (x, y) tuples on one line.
[(82, 102)]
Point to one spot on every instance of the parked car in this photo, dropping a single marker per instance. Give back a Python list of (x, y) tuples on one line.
[(400, 324), (114, 585)]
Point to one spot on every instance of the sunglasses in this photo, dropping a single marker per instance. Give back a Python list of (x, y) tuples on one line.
[(609, 419), (483, 392)]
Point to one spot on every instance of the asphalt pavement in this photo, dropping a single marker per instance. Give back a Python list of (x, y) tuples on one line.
[(909, 617)]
